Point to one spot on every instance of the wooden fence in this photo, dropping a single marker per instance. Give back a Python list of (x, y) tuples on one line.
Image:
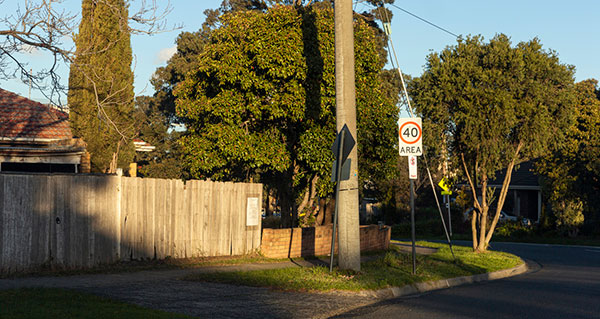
[(78, 221)]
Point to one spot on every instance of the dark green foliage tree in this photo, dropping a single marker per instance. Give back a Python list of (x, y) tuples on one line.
[(101, 98), (164, 160), (260, 103), (191, 44), (494, 106), (572, 170)]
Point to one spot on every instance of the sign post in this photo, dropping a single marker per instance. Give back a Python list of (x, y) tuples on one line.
[(410, 134), (412, 165), (446, 192)]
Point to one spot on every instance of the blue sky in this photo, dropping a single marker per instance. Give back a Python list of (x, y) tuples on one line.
[(571, 28)]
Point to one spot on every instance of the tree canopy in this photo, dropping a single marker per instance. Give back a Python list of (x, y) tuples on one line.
[(260, 102), (572, 169), (492, 106)]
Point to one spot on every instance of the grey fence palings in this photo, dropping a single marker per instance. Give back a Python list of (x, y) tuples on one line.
[(79, 221)]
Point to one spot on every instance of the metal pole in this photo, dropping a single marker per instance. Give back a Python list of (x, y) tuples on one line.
[(449, 215), (338, 174), (412, 225), (345, 101), (437, 202)]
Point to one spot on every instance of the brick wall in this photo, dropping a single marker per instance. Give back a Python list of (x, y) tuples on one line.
[(316, 241)]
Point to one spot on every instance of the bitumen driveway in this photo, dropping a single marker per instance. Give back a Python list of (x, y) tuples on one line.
[(563, 282), (165, 291)]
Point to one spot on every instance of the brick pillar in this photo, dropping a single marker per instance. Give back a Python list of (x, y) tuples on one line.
[(85, 166)]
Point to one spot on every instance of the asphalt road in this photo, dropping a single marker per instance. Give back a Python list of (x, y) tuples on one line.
[(564, 282)]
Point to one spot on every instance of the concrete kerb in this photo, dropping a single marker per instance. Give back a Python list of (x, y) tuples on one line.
[(422, 287)]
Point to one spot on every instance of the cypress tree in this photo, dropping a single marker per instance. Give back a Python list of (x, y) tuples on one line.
[(101, 98)]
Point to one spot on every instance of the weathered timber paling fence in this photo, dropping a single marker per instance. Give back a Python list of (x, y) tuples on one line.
[(78, 221)]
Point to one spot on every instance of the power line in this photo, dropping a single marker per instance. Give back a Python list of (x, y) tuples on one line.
[(430, 23)]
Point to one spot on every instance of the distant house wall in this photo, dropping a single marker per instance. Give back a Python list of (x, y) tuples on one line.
[(316, 241)]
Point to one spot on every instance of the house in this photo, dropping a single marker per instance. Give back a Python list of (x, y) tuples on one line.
[(524, 198), (37, 138)]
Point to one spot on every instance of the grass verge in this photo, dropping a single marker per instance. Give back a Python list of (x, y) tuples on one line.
[(63, 303), (530, 239), (392, 268), (141, 265)]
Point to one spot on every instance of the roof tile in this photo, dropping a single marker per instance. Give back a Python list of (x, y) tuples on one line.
[(23, 118)]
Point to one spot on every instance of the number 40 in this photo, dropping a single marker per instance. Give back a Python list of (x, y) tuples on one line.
[(411, 132)]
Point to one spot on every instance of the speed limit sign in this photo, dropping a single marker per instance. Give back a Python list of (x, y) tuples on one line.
[(410, 135)]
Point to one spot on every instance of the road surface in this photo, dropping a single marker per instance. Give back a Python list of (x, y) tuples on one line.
[(564, 282)]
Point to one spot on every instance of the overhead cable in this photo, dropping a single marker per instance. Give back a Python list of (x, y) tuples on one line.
[(430, 23)]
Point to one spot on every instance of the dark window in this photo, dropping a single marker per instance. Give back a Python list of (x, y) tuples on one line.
[(38, 167)]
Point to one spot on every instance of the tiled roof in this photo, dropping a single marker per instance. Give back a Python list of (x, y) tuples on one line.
[(523, 176), (23, 118)]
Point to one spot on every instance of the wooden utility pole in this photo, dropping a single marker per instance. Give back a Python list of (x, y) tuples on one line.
[(349, 234)]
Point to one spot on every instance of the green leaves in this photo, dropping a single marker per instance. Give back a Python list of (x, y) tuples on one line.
[(571, 169), (260, 100), (487, 98)]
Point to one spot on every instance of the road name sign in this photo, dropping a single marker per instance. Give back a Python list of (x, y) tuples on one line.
[(410, 133)]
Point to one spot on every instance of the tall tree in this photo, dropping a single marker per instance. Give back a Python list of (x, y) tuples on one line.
[(572, 170), (101, 98), (261, 102), (46, 26), (495, 106)]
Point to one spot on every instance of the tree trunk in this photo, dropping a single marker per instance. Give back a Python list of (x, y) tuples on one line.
[(503, 193), (320, 216), (309, 196), (482, 245), (474, 216), (286, 202)]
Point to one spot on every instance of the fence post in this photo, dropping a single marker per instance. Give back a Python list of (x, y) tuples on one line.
[(119, 224)]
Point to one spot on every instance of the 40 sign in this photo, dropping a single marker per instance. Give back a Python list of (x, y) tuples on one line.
[(410, 137)]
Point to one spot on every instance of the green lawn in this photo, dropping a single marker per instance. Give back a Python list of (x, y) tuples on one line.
[(166, 264), (63, 303), (392, 268)]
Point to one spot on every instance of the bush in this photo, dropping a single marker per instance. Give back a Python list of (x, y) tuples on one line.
[(513, 230), (569, 216)]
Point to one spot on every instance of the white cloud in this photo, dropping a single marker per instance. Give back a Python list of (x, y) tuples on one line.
[(165, 54)]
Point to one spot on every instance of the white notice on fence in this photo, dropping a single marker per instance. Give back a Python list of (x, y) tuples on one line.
[(252, 211)]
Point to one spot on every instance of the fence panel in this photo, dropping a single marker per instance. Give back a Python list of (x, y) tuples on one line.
[(79, 221)]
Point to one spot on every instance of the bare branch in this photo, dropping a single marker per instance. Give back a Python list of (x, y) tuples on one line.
[(41, 25)]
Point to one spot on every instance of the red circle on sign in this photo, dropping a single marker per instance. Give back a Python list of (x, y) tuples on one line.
[(418, 128)]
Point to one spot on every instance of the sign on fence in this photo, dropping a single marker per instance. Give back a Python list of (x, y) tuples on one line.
[(252, 211)]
